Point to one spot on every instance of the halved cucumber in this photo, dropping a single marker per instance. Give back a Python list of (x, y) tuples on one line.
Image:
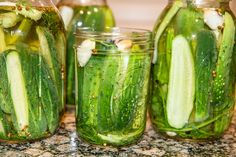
[(18, 90), (181, 88)]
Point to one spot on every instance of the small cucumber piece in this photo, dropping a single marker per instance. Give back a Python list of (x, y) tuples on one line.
[(9, 19), (18, 90), (167, 19), (22, 31), (206, 55), (181, 88)]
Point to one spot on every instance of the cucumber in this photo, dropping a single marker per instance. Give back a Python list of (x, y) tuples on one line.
[(18, 90), (21, 32), (2, 40), (45, 49), (49, 52), (206, 56), (189, 22), (2, 129), (181, 88), (9, 19), (109, 74), (167, 19), (221, 81), (49, 98), (6, 103)]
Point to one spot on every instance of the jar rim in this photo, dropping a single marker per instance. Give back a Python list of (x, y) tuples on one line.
[(114, 33)]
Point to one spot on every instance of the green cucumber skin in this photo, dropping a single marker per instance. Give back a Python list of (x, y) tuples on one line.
[(206, 56), (222, 79), (43, 104), (97, 21), (189, 22), (223, 83), (52, 60), (120, 84)]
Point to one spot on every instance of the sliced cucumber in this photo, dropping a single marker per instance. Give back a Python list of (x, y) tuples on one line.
[(9, 19), (181, 88), (18, 90)]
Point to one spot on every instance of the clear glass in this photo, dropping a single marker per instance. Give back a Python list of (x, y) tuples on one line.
[(32, 54), (193, 75), (113, 69), (81, 13)]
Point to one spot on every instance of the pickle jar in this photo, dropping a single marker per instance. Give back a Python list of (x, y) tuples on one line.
[(112, 80), (193, 74), (32, 50), (81, 13)]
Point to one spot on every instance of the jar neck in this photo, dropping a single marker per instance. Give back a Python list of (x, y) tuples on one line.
[(82, 2), (205, 3)]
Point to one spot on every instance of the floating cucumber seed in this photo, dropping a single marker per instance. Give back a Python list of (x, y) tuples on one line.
[(84, 51)]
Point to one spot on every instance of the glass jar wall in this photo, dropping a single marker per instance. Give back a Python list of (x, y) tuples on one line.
[(113, 69), (81, 13), (193, 75), (32, 50)]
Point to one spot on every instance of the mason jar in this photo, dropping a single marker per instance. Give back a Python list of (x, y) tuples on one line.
[(32, 50), (112, 80), (81, 13), (194, 69)]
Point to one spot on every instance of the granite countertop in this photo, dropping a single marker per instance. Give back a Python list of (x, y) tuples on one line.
[(65, 143)]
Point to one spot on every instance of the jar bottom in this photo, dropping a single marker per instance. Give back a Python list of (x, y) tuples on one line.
[(182, 139), (105, 143), (29, 140)]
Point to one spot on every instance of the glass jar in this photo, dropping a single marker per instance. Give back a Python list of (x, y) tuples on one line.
[(193, 75), (81, 13), (32, 50), (113, 69)]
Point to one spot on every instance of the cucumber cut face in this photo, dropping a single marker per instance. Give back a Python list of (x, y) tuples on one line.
[(18, 90), (181, 88)]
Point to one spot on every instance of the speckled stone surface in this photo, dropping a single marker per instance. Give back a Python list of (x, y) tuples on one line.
[(66, 144)]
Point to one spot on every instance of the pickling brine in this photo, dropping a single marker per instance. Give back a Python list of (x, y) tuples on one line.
[(32, 50), (78, 13), (194, 70)]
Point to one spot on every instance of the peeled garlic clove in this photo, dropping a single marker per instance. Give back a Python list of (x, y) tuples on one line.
[(123, 45), (85, 51), (213, 19), (83, 55), (90, 44), (66, 14), (171, 134)]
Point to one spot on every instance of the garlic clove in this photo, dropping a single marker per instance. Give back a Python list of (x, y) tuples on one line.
[(66, 14), (213, 19), (124, 45), (85, 51)]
